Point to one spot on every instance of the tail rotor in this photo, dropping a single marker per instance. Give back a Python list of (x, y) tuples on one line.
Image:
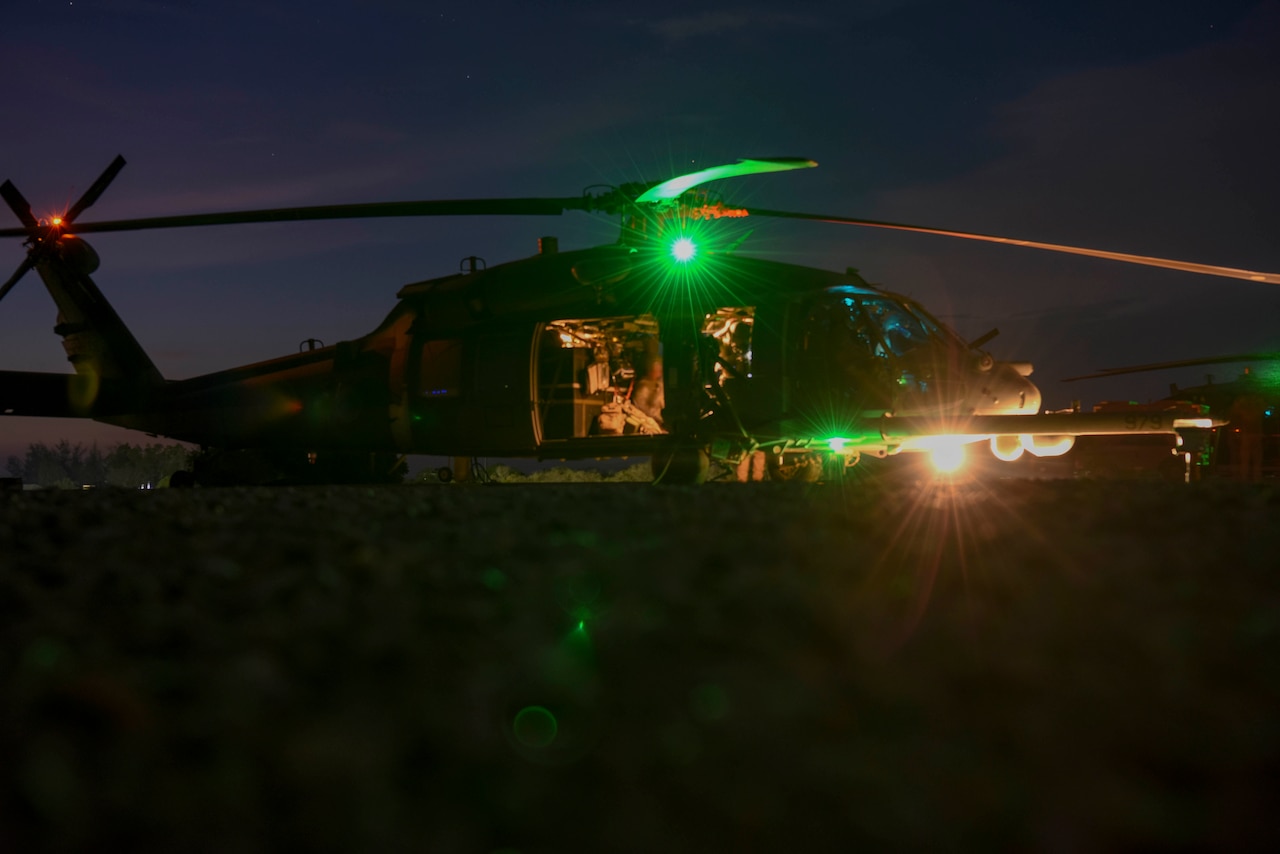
[(43, 237)]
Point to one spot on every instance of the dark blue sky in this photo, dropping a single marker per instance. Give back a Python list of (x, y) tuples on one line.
[(1148, 127)]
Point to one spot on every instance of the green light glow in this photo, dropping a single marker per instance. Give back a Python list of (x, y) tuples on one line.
[(837, 444), (534, 726), (576, 644), (683, 266), (684, 250)]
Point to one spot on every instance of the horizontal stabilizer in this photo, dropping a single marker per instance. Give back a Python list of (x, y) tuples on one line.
[(61, 395)]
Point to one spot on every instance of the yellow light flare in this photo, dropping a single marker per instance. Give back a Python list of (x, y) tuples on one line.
[(947, 458), (941, 440)]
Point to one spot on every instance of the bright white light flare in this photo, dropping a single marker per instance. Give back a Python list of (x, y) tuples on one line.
[(683, 250), (947, 459)]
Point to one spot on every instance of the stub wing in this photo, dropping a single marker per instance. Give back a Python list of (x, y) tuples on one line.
[(1048, 434), (1051, 423)]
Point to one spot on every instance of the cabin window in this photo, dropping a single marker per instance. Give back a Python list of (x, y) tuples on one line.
[(440, 369)]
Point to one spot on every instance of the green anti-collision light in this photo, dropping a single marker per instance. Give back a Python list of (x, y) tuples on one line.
[(684, 250)]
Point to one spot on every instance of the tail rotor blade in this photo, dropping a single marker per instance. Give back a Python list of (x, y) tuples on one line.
[(18, 204), (99, 187), (18, 274)]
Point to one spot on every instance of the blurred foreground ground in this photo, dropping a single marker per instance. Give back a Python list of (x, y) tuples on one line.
[(1056, 665)]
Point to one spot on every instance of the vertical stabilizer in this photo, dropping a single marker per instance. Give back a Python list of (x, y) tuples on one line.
[(97, 342)]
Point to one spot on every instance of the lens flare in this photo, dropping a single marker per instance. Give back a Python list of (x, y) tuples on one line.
[(947, 459), (535, 726)]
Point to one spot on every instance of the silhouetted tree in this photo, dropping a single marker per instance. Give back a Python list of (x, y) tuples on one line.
[(67, 465), (129, 465)]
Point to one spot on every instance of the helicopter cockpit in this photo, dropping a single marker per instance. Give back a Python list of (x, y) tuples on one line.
[(868, 350)]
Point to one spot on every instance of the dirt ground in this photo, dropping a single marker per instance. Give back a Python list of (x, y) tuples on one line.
[(1062, 665)]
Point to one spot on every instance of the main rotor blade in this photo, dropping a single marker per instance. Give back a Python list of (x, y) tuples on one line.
[(99, 186), (673, 187), (18, 274), (1180, 363), (1145, 260), (456, 207), (20, 206)]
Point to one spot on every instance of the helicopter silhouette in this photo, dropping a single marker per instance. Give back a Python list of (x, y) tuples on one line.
[(667, 343)]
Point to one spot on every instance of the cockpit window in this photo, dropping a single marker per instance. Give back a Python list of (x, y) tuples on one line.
[(730, 328), (901, 330), (884, 326), (875, 351)]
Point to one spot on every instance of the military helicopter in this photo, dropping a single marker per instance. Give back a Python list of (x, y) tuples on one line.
[(668, 344), (1248, 447)]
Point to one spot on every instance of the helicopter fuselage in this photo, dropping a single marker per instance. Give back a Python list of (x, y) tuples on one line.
[(549, 357)]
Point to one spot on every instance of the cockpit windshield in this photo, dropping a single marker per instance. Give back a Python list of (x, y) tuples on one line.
[(900, 331), (887, 326)]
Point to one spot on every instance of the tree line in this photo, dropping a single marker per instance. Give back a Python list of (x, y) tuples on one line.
[(71, 466)]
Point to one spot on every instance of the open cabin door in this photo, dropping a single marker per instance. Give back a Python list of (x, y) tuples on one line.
[(599, 379)]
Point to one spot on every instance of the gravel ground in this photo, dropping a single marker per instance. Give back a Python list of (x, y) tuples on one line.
[(1053, 665)]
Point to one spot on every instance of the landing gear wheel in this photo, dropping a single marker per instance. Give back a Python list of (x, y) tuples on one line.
[(444, 474), (800, 467), (685, 466)]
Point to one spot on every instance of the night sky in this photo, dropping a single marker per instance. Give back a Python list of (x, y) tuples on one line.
[(1146, 127)]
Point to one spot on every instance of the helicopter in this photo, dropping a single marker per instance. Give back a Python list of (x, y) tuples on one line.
[(668, 343), (1248, 446)]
